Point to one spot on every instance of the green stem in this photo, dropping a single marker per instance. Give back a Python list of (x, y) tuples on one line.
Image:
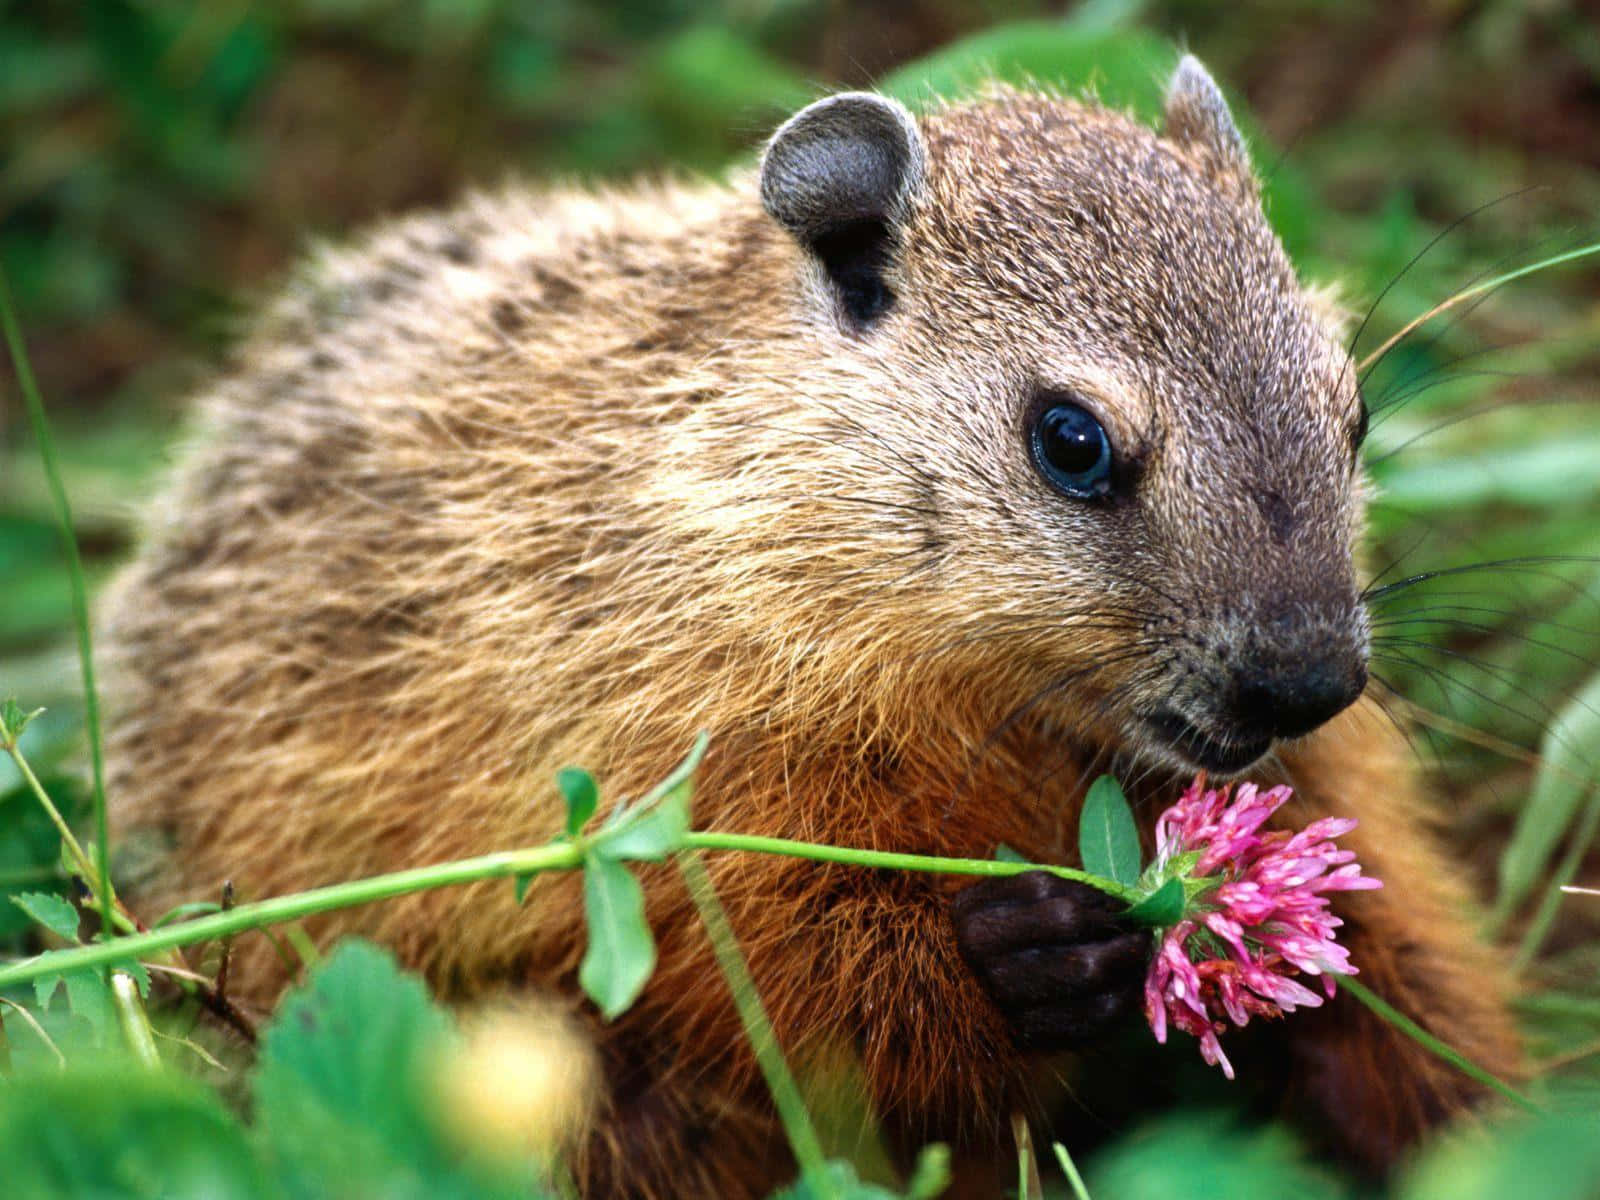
[(80, 593), (565, 855), (555, 856), (758, 1029), (504, 865), (1029, 1185), (80, 859), (886, 860), (300, 942), (1070, 1169), (1433, 1045), (135, 1024)]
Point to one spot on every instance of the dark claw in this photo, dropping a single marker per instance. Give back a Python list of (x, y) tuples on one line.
[(1052, 955)]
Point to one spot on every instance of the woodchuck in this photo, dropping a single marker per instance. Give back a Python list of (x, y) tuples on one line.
[(934, 468)]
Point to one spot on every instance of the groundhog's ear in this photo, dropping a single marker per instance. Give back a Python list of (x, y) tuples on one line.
[(841, 175), (1197, 115)]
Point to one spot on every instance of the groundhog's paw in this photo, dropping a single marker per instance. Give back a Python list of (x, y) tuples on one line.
[(1052, 955)]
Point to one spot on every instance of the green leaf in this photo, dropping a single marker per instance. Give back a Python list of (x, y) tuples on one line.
[(1555, 472), (1554, 1157), (1108, 840), (342, 1094), (652, 834), (931, 1175), (104, 1129), (1209, 1153), (681, 777), (656, 825), (696, 78), (1125, 68), (621, 953), (13, 720), (1179, 866), (1565, 776), (520, 885), (54, 913), (348, 1041), (582, 797), (30, 845), (1161, 908), (89, 996), (1554, 1004), (1004, 853), (44, 988)]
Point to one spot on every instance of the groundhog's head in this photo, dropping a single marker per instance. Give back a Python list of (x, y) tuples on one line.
[(1129, 435)]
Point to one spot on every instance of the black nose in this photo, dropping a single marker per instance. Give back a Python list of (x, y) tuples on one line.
[(1286, 699)]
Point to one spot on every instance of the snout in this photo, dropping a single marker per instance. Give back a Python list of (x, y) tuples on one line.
[(1278, 697), (1257, 692)]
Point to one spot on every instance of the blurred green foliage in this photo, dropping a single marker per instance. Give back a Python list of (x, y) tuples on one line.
[(110, 1129), (162, 161), (346, 1101), (343, 1105), (342, 1092)]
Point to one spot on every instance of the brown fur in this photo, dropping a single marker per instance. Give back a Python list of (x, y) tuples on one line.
[(559, 478)]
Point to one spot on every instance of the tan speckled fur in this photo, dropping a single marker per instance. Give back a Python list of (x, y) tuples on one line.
[(565, 477)]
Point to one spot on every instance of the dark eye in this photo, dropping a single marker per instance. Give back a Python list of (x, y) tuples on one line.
[(1072, 451)]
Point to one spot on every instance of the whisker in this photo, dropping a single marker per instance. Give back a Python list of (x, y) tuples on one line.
[(1431, 720), (1527, 561), (1577, 589), (1420, 254), (872, 436), (1471, 293), (1178, 604), (1385, 696), (854, 447), (1011, 720), (1491, 631), (1392, 565), (1460, 316), (1483, 410), (1514, 620), (1400, 400), (1498, 674)]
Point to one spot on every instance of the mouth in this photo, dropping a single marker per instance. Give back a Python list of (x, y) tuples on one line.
[(1222, 757)]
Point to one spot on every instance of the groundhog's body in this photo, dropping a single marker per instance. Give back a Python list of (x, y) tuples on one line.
[(562, 479)]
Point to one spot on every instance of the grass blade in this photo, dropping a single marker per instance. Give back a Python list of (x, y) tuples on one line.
[(1566, 774), (1467, 293), (80, 592), (1433, 1045)]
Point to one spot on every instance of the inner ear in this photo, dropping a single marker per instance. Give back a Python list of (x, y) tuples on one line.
[(841, 176), (855, 257)]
